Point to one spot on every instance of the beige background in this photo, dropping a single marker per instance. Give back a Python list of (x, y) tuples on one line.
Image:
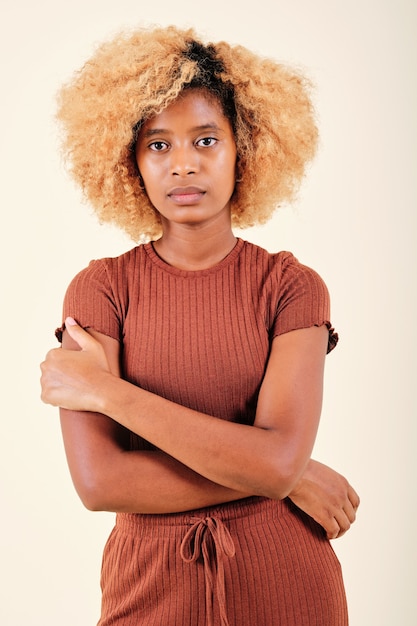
[(354, 222)]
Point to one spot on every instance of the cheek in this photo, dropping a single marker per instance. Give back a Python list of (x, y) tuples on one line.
[(227, 167), (230, 158), (142, 166), (149, 173), (144, 162)]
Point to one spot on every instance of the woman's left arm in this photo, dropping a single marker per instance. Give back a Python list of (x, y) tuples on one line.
[(267, 459)]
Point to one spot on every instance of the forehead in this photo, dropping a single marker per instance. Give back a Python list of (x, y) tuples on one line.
[(191, 105)]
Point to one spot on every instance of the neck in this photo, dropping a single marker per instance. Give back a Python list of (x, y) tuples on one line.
[(191, 249)]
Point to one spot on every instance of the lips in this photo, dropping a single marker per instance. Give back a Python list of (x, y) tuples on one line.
[(186, 195)]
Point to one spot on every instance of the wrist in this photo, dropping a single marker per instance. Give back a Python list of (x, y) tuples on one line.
[(308, 470), (104, 390), (112, 395)]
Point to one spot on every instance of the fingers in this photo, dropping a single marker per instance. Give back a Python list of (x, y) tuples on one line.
[(332, 528), (337, 526), (46, 384), (353, 497), (344, 516), (78, 334), (350, 511), (71, 378), (50, 375)]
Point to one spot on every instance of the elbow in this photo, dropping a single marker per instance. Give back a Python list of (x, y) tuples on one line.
[(277, 492), (92, 493), (283, 476), (92, 502)]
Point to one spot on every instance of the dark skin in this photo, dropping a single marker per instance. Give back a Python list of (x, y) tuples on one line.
[(187, 158)]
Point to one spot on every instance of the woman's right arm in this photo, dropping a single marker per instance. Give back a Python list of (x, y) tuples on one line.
[(108, 477)]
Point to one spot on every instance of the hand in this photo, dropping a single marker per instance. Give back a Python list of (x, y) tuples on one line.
[(327, 497), (72, 379)]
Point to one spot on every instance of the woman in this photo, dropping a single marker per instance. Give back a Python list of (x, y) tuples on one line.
[(190, 383)]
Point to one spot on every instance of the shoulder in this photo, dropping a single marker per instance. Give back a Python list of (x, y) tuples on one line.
[(110, 277), (297, 275), (128, 260), (108, 269), (297, 295), (98, 296), (282, 267)]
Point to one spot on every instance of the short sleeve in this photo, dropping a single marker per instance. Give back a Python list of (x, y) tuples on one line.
[(91, 301), (303, 300)]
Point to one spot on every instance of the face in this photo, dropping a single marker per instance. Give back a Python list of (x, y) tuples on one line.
[(187, 159)]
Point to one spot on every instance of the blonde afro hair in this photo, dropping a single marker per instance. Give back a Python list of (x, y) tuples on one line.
[(138, 74)]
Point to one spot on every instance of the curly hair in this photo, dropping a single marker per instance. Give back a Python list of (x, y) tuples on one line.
[(137, 75)]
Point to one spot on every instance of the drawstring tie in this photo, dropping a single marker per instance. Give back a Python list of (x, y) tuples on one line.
[(210, 538)]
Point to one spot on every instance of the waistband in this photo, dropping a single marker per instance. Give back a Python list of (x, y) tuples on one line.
[(245, 512), (206, 535)]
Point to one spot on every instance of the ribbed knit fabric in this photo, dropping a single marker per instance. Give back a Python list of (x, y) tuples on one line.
[(199, 338), (202, 339), (271, 566)]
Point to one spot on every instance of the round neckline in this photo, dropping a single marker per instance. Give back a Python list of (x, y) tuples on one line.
[(176, 271)]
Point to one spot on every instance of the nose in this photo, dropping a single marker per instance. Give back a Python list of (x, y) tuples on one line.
[(184, 161)]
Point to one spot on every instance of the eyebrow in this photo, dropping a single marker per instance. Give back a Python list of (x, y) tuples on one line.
[(151, 132)]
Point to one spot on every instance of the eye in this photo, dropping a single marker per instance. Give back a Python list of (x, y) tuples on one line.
[(206, 142), (158, 146)]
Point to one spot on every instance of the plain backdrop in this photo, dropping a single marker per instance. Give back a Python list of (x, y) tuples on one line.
[(354, 222)]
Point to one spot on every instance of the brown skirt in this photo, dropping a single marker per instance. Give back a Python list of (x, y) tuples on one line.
[(255, 562)]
